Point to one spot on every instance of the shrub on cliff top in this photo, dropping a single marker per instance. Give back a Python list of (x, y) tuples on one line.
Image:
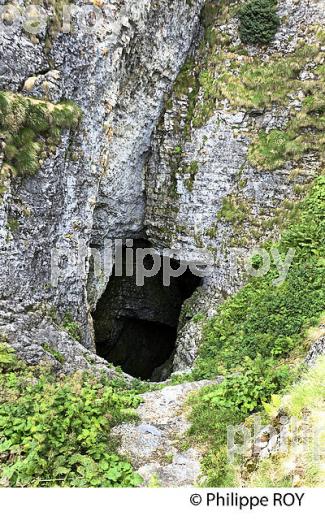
[(258, 22)]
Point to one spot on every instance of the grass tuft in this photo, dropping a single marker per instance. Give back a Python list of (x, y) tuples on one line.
[(30, 126)]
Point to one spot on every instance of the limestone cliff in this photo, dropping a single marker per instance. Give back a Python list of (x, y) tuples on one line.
[(90, 186), (169, 148)]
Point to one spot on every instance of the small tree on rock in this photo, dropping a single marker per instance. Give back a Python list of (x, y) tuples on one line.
[(259, 22)]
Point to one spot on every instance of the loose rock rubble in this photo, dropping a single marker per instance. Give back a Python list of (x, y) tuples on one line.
[(154, 445)]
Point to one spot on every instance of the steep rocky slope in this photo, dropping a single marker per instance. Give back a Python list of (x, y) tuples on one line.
[(216, 185), (182, 169), (110, 179), (90, 186)]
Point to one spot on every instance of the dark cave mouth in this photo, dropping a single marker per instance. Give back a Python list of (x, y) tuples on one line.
[(136, 327), (141, 348)]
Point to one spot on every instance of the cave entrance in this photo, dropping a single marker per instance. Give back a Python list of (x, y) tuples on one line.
[(136, 326)]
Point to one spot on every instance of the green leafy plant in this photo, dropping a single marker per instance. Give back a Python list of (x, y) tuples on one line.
[(256, 336), (7, 357), (55, 353), (56, 432), (71, 326), (228, 403), (258, 21), (246, 390)]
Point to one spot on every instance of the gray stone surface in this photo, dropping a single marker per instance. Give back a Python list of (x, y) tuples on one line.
[(317, 349), (183, 215), (91, 187), (154, 446)]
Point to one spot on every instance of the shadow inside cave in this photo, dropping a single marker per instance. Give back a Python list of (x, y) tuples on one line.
[(136, 327)]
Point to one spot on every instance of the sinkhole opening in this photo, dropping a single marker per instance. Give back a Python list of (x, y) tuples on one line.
[(136, 325)]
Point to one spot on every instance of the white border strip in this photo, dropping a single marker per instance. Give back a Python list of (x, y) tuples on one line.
[(82, 504)]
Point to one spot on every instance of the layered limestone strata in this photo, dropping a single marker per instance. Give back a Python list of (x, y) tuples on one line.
[(235, 147), (184, 169), (91, 185)]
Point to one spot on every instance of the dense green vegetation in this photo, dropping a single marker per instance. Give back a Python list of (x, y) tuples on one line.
[(257, 334), (258, 21), (304, 404), (55, 431), (31, 129)]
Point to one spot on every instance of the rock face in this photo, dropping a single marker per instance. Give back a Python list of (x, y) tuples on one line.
[(91, 186), (172, 162), (318, 347), (205, 192)]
